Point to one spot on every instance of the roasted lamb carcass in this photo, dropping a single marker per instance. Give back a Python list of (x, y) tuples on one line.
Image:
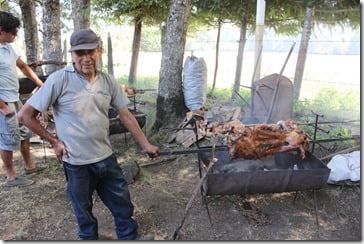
[(253, 142)]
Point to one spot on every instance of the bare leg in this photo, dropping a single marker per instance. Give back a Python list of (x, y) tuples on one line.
[(7, 157), (25, 151)]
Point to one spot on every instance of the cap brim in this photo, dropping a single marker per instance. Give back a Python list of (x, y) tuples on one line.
[(87, 46)]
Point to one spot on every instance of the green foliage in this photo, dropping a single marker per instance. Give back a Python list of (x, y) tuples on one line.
[(142, 82), (338, 12), (122, 79), (151, 39), (340, 131), (332, 12), (245, 98), (222, 95), (212, 11), (333, 103), (149, 11), (4, 5), (284, 16)]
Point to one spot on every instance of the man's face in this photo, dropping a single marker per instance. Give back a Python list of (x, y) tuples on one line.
[(8, 37), (86, 61)]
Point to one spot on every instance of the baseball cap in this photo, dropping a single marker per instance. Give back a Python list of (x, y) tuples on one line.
[(84, 39)]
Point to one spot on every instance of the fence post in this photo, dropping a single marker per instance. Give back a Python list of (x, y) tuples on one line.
[(110, 65)]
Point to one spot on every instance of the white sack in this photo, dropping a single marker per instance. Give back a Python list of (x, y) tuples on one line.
[(345, 167), (194, 82)]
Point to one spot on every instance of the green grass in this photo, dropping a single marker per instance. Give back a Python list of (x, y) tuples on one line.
[(333, 103), (222, 96), (143, 82)]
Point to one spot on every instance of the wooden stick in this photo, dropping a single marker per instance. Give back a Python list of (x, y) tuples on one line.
[(189, 204), (341, 152), (202, 180), (276, 88)]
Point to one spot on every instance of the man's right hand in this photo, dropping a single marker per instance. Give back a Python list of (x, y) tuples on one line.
[(5, 110), (59, 149)]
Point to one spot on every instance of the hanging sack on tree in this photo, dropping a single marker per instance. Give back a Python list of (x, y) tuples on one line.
[(194, 82)]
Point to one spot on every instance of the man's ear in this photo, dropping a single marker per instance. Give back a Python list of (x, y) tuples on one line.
[(2, 30)]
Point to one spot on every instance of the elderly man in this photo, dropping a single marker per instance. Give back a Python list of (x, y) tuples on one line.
[(80, 96)]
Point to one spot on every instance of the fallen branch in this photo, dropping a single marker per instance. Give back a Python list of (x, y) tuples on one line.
[(40, 63), (341, 152)]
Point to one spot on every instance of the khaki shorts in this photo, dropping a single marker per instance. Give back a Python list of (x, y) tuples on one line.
[(11, 130)]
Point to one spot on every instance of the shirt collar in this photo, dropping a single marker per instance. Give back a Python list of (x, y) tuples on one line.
[(71, 68), (5, 46)]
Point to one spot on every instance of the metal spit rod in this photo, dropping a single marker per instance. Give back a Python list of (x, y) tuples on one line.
[(179, 152)]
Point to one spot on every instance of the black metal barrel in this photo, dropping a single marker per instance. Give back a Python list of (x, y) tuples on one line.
[(283, 172)]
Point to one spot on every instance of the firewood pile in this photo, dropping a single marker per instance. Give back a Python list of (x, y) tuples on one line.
[(185, 133)]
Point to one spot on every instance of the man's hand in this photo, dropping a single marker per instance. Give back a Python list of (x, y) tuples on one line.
[(35, 90), (152, 151), (59, 149), (6, 110)]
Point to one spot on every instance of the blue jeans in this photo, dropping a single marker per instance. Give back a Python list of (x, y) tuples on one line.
[(107, 178)]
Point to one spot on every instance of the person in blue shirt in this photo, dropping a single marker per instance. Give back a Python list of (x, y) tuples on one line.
[(12, 133)]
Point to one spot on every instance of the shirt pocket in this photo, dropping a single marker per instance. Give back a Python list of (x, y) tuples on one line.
[(102, 100)]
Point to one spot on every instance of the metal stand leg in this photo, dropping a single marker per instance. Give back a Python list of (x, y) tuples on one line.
[(295, 197), (315, 203), (204, 202)]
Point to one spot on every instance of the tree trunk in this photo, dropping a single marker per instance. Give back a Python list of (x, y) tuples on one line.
[(65, 50), (110, 62), (101, 62), (135, 51), (239, 59), (170, 100), (52, 42), (216, 56), (30, 33), (81, 14), (302, 53)]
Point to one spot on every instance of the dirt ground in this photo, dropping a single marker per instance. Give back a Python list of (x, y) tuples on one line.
[(160, 193)]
